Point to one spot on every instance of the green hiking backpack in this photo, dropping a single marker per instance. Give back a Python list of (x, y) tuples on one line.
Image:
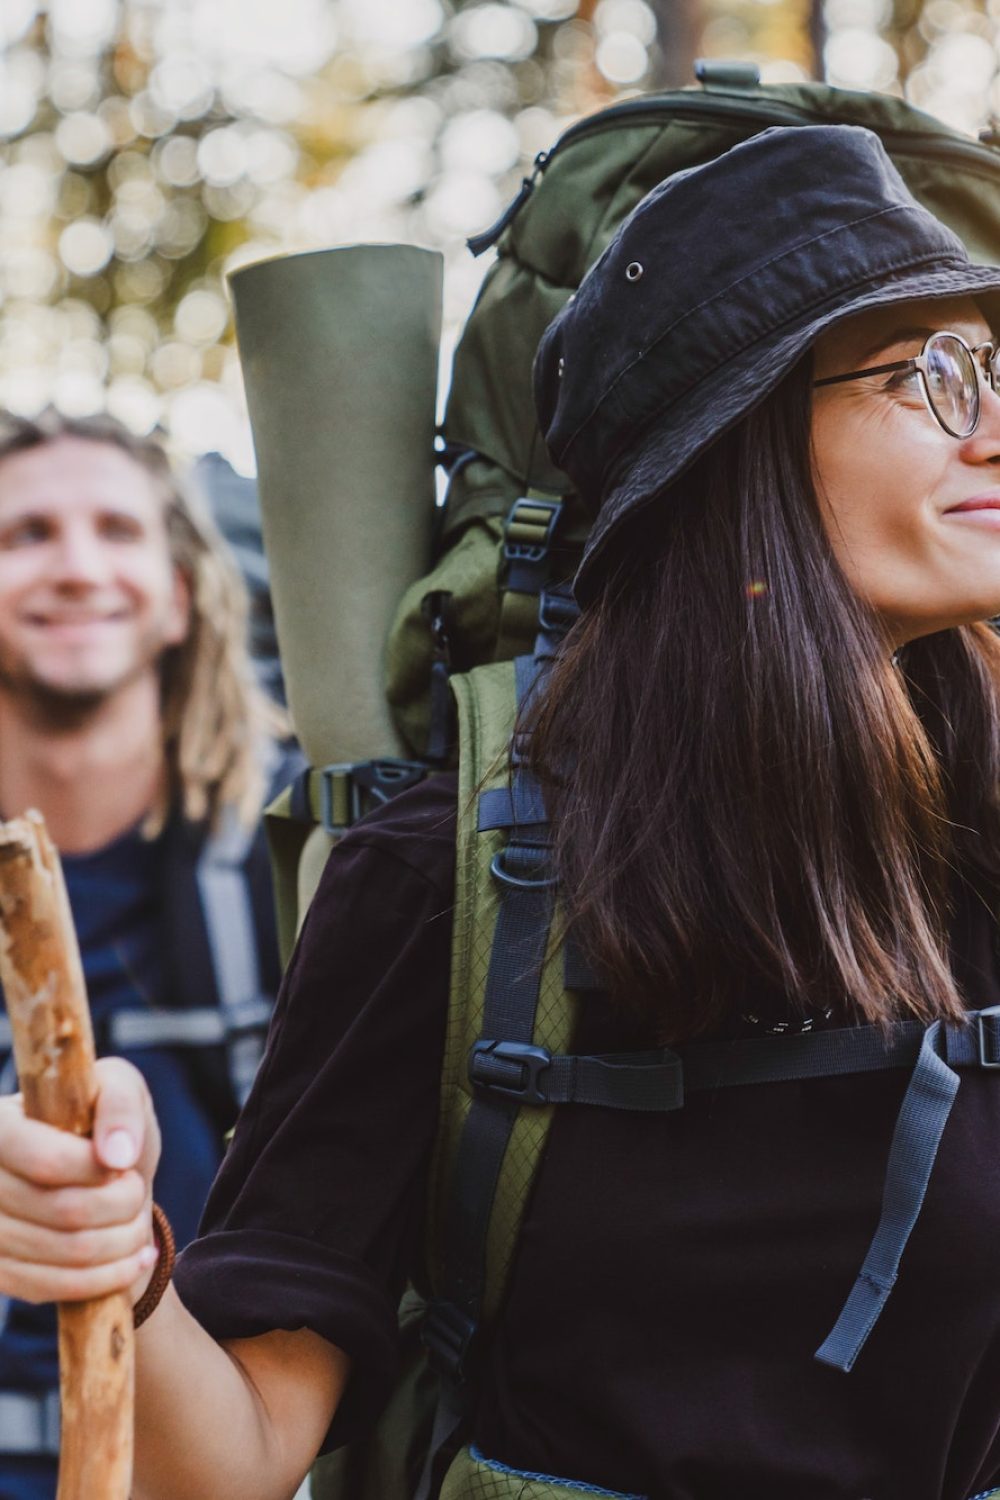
[(469, 640)]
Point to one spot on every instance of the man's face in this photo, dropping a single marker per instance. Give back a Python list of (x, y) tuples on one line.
[(89, 598)]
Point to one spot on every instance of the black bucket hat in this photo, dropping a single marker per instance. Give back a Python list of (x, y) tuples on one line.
[(715, 285)]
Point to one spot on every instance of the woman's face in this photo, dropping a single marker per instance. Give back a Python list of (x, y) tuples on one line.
[(913, 514)]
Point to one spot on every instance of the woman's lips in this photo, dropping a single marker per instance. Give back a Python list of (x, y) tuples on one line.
[(977, 502), (981, 511)]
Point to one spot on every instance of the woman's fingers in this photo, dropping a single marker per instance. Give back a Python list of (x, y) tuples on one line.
[(43, 1155), (74, 1213), (116, 1200), (31, 1282), (71, 1209), (24, 1241)]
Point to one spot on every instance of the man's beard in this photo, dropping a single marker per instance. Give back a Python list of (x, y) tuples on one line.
[(61, 708)]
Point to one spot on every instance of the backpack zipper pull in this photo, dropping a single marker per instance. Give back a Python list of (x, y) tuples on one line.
[(479, 243)]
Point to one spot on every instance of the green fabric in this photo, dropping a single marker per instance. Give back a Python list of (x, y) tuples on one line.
[(485, 620), (486, 702), (387, 1466), (285, 841), (467, 573), (339, 352), (298, 852), (469, 1479)]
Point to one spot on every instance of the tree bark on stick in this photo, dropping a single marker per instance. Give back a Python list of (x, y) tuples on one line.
[(53, 1042)]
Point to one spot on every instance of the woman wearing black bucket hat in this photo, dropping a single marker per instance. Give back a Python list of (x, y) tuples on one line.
[(771, 755)]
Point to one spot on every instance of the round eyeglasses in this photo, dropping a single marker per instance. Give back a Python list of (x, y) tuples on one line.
[(951, 373)]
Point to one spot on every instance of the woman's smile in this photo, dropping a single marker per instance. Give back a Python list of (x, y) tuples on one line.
[(911, 511), (982, 510)]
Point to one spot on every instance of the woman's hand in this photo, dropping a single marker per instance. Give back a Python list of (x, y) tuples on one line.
[(75, 1214)]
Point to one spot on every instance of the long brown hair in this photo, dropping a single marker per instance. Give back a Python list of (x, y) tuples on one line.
[(746, 789), (213, 715)]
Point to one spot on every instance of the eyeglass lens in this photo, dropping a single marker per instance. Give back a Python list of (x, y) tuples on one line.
[(953, 384)]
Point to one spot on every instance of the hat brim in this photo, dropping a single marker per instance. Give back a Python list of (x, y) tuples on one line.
[(713, 406)]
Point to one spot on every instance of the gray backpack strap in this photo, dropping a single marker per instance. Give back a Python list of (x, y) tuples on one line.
[(202, 1026), (224, 892), (919, 1128), (29, 1424)]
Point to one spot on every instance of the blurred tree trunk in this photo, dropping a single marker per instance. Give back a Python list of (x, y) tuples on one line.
[(903, 31), (792, 30), (817, 36), (679, 25)]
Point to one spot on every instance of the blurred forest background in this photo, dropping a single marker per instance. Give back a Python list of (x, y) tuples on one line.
[(147, 147)]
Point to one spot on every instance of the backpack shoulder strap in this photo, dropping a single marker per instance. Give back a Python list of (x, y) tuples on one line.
[(506, 968), (227, 907)]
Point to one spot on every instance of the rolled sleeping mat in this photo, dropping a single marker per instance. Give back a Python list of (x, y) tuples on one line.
[(339, 350)]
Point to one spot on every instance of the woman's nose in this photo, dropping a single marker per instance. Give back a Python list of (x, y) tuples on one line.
[(984, 444)]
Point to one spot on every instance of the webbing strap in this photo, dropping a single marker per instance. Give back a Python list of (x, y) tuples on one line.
[(201, 1026), (223, 885), (520, 804), (813, 1054), (29, 1423), (529, 531), (659, 1081), (577, 973), (915, 1142), (509, 1004), (641, 1081)]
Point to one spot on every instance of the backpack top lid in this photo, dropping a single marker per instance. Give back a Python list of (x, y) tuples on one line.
[(678, 331), (587, 184)]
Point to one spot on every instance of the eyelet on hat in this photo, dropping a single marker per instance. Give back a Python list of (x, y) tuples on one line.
[(633, 271)]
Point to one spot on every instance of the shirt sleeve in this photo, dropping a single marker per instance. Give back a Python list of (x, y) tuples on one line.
[(315, 1219)]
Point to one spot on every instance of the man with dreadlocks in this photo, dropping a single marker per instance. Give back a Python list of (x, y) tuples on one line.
[(129, 717)]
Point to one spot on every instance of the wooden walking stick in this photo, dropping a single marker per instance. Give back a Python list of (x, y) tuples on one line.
[(54, 1050)]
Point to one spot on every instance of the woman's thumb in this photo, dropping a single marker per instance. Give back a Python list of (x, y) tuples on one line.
[(120, 1115)]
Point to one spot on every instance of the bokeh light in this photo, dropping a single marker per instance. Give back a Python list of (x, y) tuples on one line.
[(149, 147)]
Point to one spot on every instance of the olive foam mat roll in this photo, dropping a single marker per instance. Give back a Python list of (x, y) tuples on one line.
[(339, 350)]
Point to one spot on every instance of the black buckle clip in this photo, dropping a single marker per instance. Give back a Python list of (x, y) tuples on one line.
[(527, 539), (988, 1039), (558, 611), (378, 781), (448, 1335), (512, 1069)]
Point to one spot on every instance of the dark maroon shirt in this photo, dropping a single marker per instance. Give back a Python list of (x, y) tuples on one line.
[(676, 1272)]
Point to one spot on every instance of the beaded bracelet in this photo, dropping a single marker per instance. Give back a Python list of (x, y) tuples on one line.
[(163, 1237)]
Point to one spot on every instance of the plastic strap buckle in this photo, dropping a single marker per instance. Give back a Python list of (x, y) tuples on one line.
[(374, 782), (448, 1335), (528, 532), (988, 1040), (558, 611), (512, 1069)]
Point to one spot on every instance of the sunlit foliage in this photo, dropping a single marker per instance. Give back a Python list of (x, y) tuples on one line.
[(148, 146)]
